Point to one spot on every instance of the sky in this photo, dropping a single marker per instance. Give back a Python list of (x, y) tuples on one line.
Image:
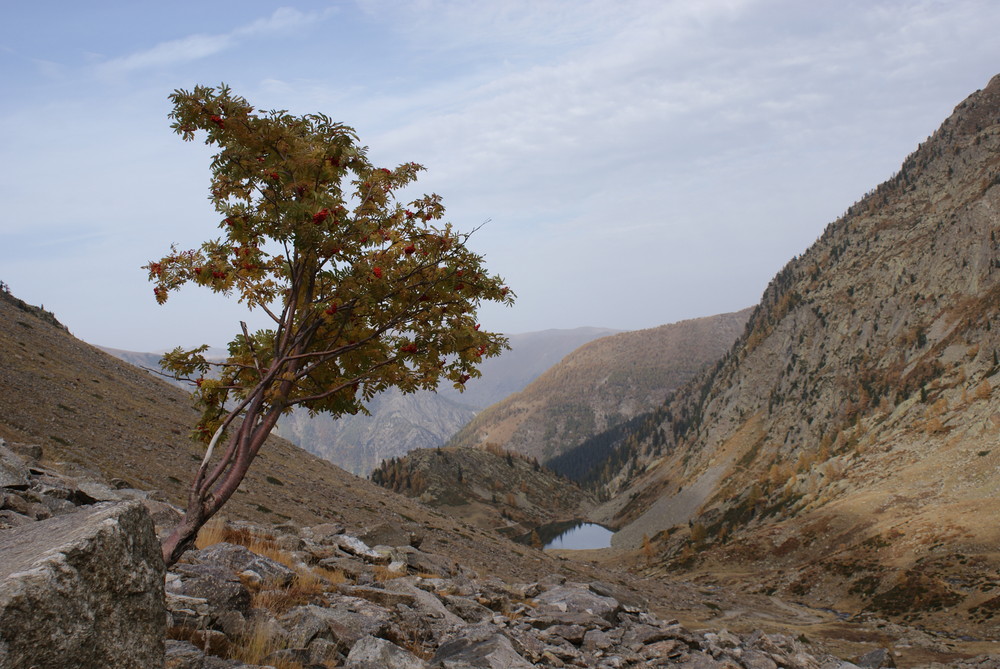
[(639, 162)]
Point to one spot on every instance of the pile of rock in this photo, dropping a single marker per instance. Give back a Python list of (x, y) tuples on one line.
[(30, 492), (398, 606)]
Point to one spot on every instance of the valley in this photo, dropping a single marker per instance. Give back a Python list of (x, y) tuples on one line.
[(824, 466)]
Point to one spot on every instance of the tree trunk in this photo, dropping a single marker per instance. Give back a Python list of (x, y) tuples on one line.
[(211, 491)]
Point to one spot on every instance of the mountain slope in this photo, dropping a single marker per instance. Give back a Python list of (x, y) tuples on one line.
[(100, 418), (601, 384), (845, 452)]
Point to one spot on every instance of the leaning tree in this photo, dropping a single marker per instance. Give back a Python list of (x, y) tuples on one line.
[(361, 292)]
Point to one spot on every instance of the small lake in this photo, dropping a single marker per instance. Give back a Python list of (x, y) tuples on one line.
[(582, 536)]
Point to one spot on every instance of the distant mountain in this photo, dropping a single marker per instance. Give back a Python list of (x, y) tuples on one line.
[(400, 423), (530, 354), (601, 384), (845, 453)]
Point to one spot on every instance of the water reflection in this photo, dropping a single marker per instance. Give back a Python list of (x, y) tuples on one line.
[(569, 535), (582, 537)]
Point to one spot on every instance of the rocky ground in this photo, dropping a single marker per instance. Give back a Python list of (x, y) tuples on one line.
[(290, 596)]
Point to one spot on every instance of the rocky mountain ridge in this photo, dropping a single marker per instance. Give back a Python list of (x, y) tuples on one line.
[(601, 384), (843, 452)]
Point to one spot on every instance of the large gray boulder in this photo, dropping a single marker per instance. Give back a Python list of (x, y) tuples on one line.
[(83, 589), (374, 653), (493, 652)]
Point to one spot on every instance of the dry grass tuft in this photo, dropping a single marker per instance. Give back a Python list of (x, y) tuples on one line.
[(260, 641)]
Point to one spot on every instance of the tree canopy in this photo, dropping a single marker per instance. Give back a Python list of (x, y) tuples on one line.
[(363, 292)]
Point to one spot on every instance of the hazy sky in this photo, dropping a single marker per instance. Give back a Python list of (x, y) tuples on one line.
[(640, 162)]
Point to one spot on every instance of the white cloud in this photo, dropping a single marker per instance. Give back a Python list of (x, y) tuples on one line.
[(199, 46), (641, 161)]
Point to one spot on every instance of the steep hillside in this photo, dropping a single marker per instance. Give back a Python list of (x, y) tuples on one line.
[(845, 451), (98, 417), (602, 384), (491, 489)]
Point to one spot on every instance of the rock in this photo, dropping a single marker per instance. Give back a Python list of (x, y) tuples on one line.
[(86, 585), (427, 563), (467, 609), (215, 584), (385, 534), (374, 653), (241, 559), (876, 659), (493, 652), (13, 473), (351, 618), (349, 567), (355, 546), (569, 598), (91, 492), (384, 598), (425, 602)]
